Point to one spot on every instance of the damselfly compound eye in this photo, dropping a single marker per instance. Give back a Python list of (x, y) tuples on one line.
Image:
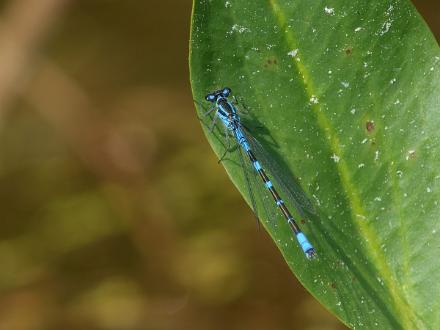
[(210, 97), (226, 91)]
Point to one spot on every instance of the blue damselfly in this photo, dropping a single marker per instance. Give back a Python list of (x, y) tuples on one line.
[(225, 110)]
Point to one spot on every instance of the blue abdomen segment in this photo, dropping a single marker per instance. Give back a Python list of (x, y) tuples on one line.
[(241, 139), (305, 245)]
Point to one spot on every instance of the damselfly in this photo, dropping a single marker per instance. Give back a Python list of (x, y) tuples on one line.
[(226, 111)]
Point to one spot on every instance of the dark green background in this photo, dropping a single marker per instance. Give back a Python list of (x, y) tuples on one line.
[(114, 212)]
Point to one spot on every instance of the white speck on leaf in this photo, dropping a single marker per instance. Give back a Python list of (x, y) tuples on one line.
[(376, 155), (385, 27), (314, 99), (353, 111), (387, 24), (239, 29), (293, 53), (329, 11), (317, 200), (357, 29), (361, 165), (336, 158), (227, 4), (390, 10)]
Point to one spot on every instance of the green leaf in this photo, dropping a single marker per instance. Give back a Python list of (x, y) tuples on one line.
[(347, 93)]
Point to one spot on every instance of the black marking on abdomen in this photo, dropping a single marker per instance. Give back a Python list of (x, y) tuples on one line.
[(284, 210)]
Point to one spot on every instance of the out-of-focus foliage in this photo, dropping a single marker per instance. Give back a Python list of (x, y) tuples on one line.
[(114, 212)]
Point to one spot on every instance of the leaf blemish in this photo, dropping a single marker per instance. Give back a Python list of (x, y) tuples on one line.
[(293, 53), (271, 62), (329, 11), (348, 51), (370, 126), (411, 155)]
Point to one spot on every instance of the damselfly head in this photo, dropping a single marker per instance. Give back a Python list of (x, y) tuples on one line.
[(212, 97)]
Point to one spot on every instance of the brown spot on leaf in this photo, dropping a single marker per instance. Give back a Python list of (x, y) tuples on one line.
[(411, 155), (370, 126), (333, 285), (348, 51), (271, 63)]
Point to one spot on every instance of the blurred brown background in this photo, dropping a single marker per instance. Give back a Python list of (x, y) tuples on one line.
[(114, 212)]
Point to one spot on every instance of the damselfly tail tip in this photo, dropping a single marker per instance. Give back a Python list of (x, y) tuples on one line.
[(311, 254), (305, 245)]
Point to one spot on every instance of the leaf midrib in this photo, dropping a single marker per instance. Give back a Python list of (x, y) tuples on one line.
[(408, 319)]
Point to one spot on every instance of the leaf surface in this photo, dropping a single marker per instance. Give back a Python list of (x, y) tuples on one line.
[(344, 96)]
